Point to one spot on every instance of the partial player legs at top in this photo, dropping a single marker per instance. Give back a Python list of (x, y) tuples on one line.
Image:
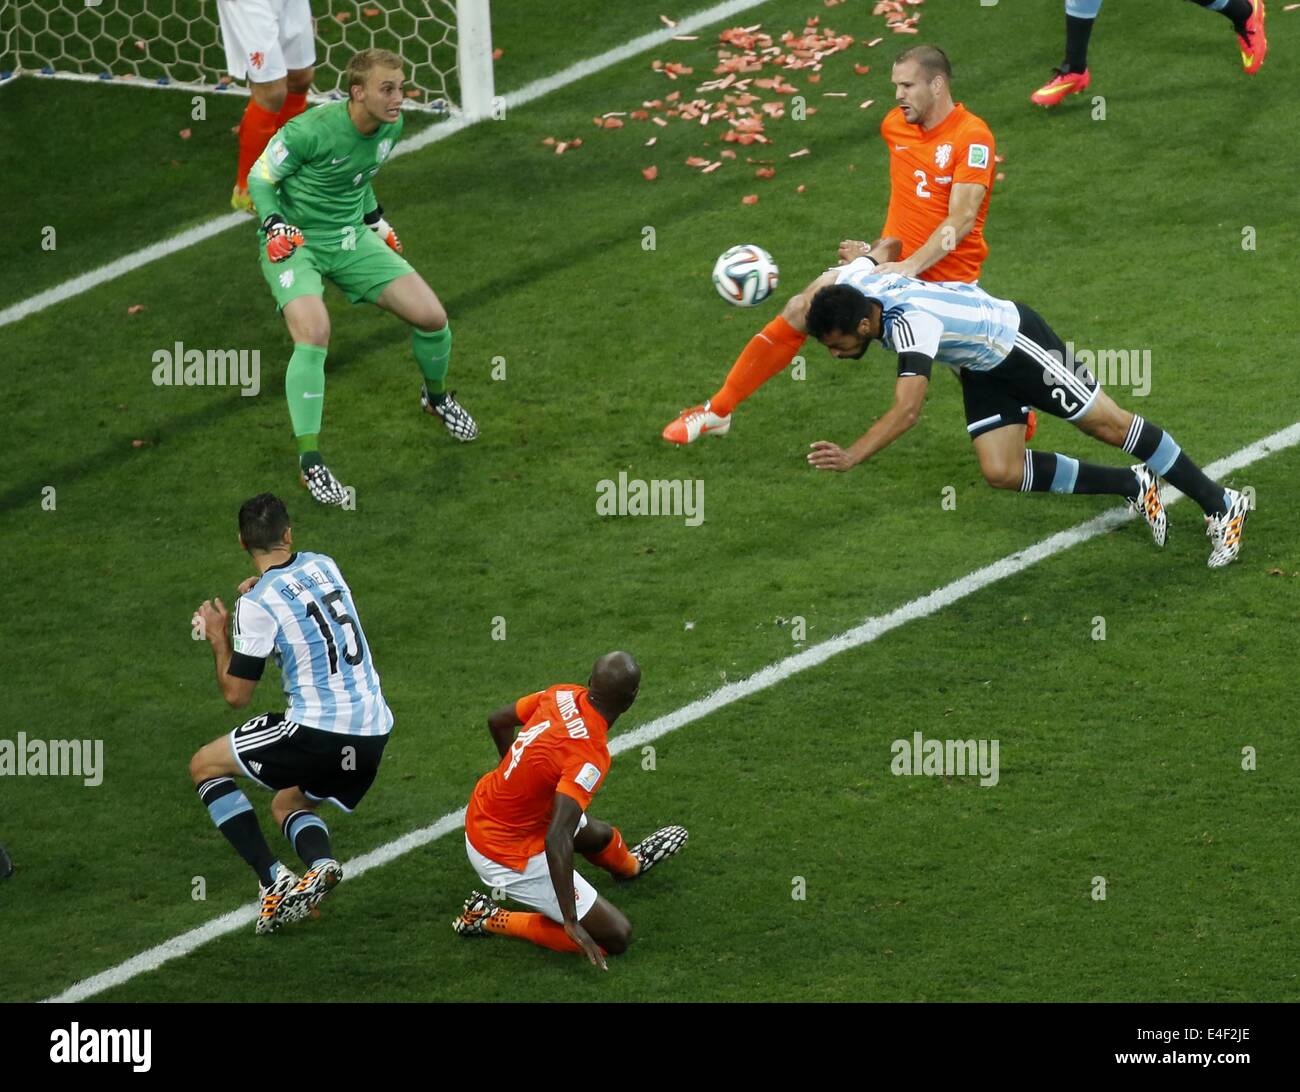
[(1073, 76)]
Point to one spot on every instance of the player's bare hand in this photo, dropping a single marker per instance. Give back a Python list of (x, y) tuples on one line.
[(589, 947), (851, 250), (245, 586), (212, 618), (828, 456), (901, 268)]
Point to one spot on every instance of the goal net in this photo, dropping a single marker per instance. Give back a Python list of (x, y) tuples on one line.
[(447, 45)]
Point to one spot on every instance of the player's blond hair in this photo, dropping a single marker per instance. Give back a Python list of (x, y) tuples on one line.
[(367, 61)]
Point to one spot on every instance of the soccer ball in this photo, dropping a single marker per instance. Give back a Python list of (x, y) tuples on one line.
[(745, 275)]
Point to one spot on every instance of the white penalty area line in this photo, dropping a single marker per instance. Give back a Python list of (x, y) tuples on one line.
[(441, 131), (866, 632)]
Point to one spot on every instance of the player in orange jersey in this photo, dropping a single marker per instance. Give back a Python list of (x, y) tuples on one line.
[(941, 170), (528, 816)]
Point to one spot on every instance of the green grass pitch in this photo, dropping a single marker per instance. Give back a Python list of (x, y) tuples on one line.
[(1121, 758)]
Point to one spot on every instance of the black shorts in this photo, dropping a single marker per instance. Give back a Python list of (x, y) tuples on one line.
[(281, 754), (1038, 372)]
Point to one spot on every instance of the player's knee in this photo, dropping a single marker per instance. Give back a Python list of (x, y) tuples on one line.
[(1003, 475), (199, 771), (300, 80), (432, 317), (270, 96), (620, 938)]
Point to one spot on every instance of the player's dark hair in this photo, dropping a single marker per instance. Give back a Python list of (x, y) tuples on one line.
[(263, 520), (837, 309), (933, 61)]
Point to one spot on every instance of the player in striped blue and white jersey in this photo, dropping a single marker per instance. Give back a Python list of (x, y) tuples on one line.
[(1008, 360), (298, 612)]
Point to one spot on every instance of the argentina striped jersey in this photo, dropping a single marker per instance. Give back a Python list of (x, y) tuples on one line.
[(948, 321), (301, 614)]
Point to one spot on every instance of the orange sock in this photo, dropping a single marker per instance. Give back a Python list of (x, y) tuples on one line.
[(255, 132), (765, 355), (615, 858), (535, 928), (294, 105)]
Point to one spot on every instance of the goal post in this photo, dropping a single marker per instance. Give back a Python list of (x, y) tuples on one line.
[(176, 44)]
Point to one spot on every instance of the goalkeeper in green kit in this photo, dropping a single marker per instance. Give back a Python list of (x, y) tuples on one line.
[(320, 219)]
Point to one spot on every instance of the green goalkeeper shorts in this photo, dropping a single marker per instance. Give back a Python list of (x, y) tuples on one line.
[(354, 258)]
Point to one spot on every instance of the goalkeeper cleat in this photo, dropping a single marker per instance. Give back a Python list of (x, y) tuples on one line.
[(240, 201), (316, 883), (1148, 502), (478, 908), (323, 486), (268, 919), (1253, 44), (1061, 84), (1225, 530), (659, 846), (455, 416), (694, 422)]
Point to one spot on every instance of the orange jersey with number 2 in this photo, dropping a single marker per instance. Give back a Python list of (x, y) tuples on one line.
[(562, 747), (924, 164)]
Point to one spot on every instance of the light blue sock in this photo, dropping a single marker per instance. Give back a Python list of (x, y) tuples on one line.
[(1088, 9)]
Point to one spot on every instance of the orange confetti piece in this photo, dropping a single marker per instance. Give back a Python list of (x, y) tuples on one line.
[(801, 188), (874, 42), (135, 309), (998, 159), (139, 44), (750, 199), (814, 79), (649, 173), (576, 142), (370, 13), (185, 134), (1000, 176), (413, 94), (548, 140), (861, 69), (674, 97), (765, 172), (613, 123), (559, 148), (342, 16), (696, 161), (139, 443), (727, 153), (659, 121), (497, 54), (639, 115), (711, 167)]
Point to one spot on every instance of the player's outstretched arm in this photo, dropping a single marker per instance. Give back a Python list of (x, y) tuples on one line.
[(565, 815), (963, 210), (502, 724), (909, 394), (212, 618)]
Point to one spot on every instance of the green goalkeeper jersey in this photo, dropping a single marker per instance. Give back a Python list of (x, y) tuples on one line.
[(316, 171)]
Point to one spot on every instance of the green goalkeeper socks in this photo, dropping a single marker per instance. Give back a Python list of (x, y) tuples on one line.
[(433, 354), (304, 389)]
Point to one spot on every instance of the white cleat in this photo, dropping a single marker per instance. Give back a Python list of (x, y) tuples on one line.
[(1148, 502), (323, 486), (453, 415), (659, 846), (693, 423), (1225, 530), (316, 883), (268, 919)]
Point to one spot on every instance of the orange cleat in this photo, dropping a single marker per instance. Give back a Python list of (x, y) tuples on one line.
[(693, 423), (1031, 426), (1254, 44), (1061, 84)]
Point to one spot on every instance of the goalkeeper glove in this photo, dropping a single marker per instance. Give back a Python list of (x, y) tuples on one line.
[(381, 227), (281, 239)]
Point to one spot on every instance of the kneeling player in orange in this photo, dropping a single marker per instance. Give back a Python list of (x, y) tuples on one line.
[(527, 817)]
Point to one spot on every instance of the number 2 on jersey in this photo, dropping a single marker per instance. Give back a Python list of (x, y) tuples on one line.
[(351, 655), (921, 180)]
